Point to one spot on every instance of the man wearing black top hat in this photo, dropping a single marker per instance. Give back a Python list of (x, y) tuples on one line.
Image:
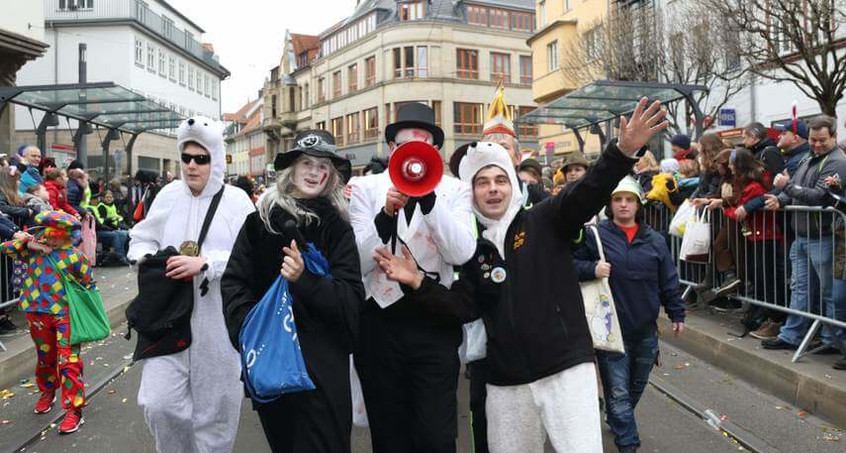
[(407, 358)]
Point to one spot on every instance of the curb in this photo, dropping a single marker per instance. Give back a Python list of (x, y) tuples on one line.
[(813, 394), (19, 360)]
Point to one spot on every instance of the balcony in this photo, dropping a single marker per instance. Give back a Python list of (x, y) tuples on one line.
[(134, 10)]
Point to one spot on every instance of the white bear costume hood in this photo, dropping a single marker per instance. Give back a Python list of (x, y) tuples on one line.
[(209, 134)]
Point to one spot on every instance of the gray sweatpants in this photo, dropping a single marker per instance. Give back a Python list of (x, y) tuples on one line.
[(562, 406)]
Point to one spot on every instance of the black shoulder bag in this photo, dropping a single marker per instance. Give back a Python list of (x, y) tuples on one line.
[(161, 312)]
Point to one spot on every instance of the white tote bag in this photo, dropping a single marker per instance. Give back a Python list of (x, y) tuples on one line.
[(697, 239), (600, 311), (359, 410), (685, 213)]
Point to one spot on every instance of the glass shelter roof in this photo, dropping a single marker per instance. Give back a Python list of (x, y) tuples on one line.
[(105, 104), (604, 100)]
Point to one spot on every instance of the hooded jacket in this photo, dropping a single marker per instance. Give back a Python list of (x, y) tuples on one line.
[(795, 156), (530, 299), (807, 188), (58, 197), (643, 275), (767, 152)]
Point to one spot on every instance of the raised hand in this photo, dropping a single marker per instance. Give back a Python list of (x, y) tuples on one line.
[(401, 270), (637, 130)]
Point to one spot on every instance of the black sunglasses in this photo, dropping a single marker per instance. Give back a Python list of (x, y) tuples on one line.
[(201, 159)]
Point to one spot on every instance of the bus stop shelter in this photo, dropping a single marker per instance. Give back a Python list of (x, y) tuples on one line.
[(598, 103), (103, 105)]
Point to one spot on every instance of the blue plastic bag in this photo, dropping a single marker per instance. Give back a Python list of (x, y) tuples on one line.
[(271, 358)]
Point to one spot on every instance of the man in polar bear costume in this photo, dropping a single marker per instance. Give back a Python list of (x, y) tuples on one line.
[(192, 399)]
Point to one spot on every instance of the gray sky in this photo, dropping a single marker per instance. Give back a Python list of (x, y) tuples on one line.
[(248, 35)]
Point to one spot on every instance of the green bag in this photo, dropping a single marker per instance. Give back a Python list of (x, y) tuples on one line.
[(88, 319)]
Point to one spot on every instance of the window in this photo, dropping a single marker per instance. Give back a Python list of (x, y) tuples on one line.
[(321, 89), (388, 113), (369, 71), (499, 18), (199, 81), (141, 9), (467, 118), (541, 14), (167, 27), (422, 61), (208, 85), (191, 78), (500, 67), (397, 53), (181, 72), (592, 44), (336, 84), (352, 77), (477, 15), (320, 125), (436, 106), (412, 10), (76, 4), (566, 5), (408, 65), (214, 89), (338, 130), (371, 123), (527, 130), (353, 128), (306, 98), (189, 40), (151, 58), (171, 67), (162, 64), (273, 102), (522, 22), (525, 70), (139, 53), (467, 63), (552, 56), (292, 100)]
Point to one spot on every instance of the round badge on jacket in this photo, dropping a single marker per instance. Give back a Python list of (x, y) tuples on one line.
[(498, 275)]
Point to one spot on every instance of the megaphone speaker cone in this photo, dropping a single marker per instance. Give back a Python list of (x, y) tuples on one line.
[(416, 168)]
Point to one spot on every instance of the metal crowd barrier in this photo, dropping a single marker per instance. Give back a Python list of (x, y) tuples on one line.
[(8, 294), (764, 268)]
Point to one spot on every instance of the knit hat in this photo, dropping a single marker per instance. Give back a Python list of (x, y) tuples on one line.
[(681, 140), (499, 116), (59, 225), (629, 185)]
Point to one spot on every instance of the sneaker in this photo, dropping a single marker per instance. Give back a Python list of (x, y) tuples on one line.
[(826, 350), (840, 364), (7, 327), (768, 330), (73, 420), (725, 305), (776, 343), (728, 287), (45, 403)]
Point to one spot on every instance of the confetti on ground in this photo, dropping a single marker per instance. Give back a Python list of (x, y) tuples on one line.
[(801, 414), (5, 422), (6, 394), (112, 391), (680, 367), (28, 385), (831, 437), (127, 357), (123, 400)]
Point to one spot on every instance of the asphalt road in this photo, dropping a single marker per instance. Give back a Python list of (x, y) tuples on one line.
[(115, 423)]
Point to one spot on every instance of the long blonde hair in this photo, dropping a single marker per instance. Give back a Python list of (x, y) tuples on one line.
[(282, 197)]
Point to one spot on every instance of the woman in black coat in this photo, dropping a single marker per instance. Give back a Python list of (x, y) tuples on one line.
[(309, 192)]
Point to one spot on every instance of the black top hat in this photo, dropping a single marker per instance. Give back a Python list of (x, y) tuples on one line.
[(317, 143), (415, 116)]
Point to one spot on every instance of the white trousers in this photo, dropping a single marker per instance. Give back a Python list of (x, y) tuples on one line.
[(562, 406)]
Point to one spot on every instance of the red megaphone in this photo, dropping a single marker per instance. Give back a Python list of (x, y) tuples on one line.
[(416, 168)]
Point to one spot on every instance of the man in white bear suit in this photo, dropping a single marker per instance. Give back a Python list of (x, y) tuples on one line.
[(192, 399)]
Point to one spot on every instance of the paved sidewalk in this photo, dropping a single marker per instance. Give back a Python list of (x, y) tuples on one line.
[(810, 384), (118, 286)]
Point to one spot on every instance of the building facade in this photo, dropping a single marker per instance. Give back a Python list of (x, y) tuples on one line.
[(561, 24), (146, 46), (351, 79), (21, 40), (245, 140)]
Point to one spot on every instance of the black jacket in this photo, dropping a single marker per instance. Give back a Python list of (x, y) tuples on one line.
[(807, 188), (767, 151), (535, 318), (326, 310), (709, 185), (21, 215)]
